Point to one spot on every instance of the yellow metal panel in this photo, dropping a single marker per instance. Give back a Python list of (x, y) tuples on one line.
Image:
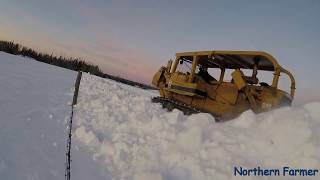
[(227, 93), (180, 92), (157, 76)]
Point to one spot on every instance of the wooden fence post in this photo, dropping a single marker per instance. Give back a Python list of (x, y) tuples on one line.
[(76, 90)]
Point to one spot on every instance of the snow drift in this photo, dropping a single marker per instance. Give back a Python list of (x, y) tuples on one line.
[(136, 139)]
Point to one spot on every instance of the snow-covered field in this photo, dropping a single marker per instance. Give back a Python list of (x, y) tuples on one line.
[(34, 112), (136, 139), (119, 134)]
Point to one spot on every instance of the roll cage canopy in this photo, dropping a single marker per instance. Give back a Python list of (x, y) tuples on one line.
[(235, 60), (232, 59)]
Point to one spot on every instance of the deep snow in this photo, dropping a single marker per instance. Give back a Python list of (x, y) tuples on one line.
[(136, 139), (34, 112), (119, 134)]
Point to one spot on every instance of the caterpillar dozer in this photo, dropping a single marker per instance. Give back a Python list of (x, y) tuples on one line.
[(195, 89)]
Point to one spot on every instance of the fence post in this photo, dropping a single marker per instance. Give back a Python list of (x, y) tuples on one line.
[(76, 90), (68, 153)]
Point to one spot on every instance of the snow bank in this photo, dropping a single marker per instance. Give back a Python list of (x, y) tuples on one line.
[(136, 139)]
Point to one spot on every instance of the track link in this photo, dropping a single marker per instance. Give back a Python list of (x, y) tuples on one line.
[(171, 104)]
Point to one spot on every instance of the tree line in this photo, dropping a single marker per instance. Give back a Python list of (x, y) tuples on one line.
[(76, 64)]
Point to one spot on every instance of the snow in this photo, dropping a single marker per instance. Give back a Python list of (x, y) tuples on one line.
[(34, 112), (34, 109), (119, 134), (136, 139)]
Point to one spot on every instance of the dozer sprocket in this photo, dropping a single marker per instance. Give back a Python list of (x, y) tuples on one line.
[(171, 104)]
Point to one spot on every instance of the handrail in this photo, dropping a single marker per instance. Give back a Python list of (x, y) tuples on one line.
[(293, 82)]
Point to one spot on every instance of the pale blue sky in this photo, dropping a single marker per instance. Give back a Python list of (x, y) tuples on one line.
[(133, 38)]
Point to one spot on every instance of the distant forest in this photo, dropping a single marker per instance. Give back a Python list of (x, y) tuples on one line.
[(76, 64)]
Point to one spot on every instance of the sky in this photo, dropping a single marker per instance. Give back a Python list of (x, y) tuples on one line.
[(134, 38)]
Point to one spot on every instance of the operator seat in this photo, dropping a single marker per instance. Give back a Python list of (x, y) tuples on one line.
[(251, 80)]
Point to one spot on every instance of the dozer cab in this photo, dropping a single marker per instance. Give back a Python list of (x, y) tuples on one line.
[(196, 90)]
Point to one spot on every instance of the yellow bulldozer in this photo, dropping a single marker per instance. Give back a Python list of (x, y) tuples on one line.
[(202, 86)]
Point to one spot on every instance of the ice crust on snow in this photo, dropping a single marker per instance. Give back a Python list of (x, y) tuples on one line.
[(136, 139)]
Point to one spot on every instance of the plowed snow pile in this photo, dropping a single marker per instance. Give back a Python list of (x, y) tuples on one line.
[(136, 139)]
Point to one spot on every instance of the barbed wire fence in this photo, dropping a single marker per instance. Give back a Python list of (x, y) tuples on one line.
[(68, 151)]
